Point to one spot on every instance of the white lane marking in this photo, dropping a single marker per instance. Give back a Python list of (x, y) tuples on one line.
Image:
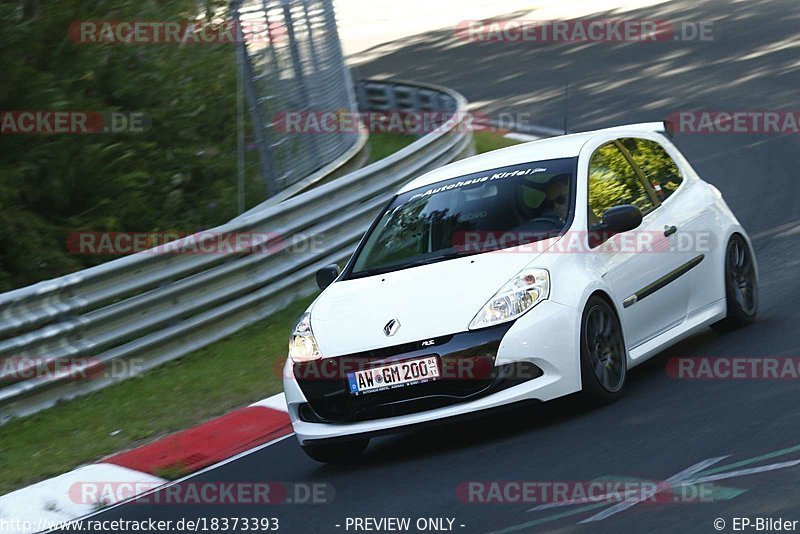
[(51, 500), (522, 137), (189, 477), (683, 475), (61, 498), (696, 468), (745, 472), (685, 478), (783, 230), (184, 479), (276, 402)]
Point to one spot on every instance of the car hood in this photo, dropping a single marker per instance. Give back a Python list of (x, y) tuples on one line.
[(428, 301)]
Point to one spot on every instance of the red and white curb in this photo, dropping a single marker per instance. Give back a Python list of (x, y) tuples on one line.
[(83, 491)]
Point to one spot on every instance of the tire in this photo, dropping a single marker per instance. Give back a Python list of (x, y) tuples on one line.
[(344, 451), (604, 364), (741, 286)]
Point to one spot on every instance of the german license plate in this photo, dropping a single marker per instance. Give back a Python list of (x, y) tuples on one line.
[(396, 375)]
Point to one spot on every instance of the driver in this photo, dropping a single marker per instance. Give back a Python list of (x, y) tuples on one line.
[(556, 203)]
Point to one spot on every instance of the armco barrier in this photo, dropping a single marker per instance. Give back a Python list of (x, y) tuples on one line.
[(157, 307)]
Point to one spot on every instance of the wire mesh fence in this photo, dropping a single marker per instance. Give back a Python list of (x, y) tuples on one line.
[(292, 62)]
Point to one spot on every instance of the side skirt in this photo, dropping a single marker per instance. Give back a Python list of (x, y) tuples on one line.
[(696, 321)]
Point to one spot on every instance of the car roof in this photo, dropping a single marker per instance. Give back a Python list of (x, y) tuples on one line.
[(564, 146)]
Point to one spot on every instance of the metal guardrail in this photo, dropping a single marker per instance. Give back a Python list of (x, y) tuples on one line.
[(152, 308)]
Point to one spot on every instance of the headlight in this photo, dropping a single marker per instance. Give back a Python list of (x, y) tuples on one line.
[(302, 345), (520, 294)]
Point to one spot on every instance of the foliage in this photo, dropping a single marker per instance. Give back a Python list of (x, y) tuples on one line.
[(177, 175), (613, 182)]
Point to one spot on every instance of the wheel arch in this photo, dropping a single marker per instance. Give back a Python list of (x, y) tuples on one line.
[(601, 293), (735, 230), (606, 296)]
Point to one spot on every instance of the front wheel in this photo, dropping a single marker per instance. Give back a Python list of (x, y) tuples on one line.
[(344, 451), (741, 285), (604, 362)]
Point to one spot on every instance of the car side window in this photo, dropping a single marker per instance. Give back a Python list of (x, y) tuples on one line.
[(614, 182), (658, 167)]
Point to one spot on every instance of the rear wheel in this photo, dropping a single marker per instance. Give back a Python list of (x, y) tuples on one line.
[(603, 356), (344, 451), (741, 285)]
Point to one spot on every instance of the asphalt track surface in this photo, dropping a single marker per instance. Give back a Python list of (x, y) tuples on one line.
[(662, 425)]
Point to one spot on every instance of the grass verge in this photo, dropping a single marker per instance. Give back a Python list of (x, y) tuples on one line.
[(229, 374), (488, 141), (382, 145), (234, 372)]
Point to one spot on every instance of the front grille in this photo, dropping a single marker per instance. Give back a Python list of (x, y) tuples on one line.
[(467, 364)]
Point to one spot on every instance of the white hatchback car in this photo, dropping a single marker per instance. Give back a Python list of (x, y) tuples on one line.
[(524, 274)]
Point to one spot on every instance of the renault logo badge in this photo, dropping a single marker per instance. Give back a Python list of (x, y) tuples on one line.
[(391, 327)]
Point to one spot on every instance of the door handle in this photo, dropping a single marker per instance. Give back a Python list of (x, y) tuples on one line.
[(669, 230)]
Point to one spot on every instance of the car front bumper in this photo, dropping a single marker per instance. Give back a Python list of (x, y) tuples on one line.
[(533, 358)]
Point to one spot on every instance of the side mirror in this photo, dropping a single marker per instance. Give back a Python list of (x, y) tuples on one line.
[(621, 219), (327, 275)]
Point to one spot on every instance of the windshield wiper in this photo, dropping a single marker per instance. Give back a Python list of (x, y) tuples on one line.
[(434, 259), (417, 263)]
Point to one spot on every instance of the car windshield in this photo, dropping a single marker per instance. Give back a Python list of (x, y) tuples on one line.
[(480, 212)]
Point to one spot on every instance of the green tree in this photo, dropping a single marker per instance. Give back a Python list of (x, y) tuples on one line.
[(177, 175)]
